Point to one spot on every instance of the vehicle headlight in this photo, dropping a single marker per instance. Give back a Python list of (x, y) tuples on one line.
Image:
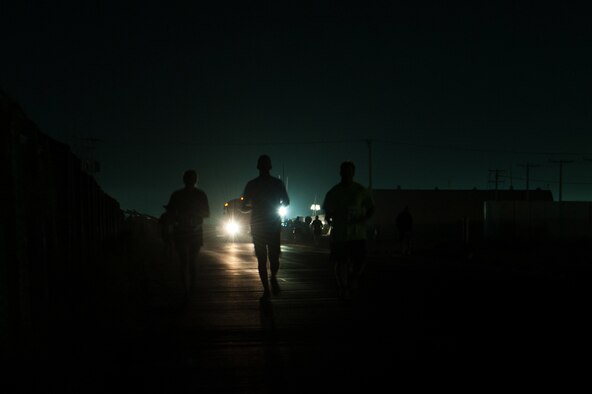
[(231, 227), (283, 211)]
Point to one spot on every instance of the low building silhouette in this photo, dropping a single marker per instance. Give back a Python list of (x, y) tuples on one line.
[(442, 216)]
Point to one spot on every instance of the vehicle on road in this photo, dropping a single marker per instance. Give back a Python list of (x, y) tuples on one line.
[(235, 224)]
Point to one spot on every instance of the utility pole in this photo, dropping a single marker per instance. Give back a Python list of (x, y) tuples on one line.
[(284, 176), (369, 143), (561, 163), (497, 174), (528, 166)]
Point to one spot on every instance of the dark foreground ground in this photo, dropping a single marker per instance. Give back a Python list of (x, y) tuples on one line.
[(499, 317)]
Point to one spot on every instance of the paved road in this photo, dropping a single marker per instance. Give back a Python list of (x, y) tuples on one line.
[(225, 339), (418, 310)]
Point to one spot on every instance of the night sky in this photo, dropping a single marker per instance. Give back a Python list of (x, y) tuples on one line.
[(444, 92)]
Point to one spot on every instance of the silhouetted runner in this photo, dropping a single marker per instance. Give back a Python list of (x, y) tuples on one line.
[(264, 196), (317, 230), (348, 205), (188, 207)]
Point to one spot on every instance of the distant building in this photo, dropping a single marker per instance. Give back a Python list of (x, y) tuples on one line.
[(539, 222), (441, 216)]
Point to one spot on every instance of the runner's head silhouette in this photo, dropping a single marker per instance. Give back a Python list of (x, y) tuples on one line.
[(190, 178), (264, 163)]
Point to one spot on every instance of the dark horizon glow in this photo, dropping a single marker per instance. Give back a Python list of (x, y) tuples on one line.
[(446, 93)]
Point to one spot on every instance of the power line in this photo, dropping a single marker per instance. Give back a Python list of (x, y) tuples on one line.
[(369, 142), (239, 144), (482, 150), (342, 141), (548, 181)]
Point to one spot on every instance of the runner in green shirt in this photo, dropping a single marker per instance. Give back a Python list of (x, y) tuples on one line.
[(348, 205)]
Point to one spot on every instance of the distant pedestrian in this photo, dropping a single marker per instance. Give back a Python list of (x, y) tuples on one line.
[(348, 205), (317, 230), (405, 228), (297, 229), (263, 196), (188, 208)]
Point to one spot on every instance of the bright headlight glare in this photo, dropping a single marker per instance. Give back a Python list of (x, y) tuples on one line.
[(283, 211), (232, 227)]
